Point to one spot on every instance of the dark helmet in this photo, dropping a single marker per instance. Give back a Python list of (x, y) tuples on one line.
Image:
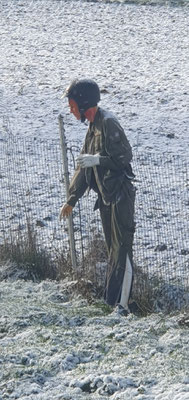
[(85, 92)]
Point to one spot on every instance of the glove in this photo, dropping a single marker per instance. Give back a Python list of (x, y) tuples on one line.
[(65, 211), (88, 160)]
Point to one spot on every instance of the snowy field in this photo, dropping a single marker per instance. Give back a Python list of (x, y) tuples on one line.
[(53, 345), (137, 54)]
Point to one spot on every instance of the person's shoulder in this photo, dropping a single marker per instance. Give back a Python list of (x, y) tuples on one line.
[(107, 115)]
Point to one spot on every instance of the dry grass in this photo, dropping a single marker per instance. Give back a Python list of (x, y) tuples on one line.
[(25, 253), (89, 279)]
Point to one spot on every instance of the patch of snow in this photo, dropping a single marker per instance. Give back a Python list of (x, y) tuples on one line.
[(74, 350)]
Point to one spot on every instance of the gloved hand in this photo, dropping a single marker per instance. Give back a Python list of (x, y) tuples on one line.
[(65, 211), (88, 160)]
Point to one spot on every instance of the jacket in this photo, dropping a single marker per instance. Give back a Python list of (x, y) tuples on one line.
[(105, 137)]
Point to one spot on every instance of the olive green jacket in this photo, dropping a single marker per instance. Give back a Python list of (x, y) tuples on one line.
[(105, 137)]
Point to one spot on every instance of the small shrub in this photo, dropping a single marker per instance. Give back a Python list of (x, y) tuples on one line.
[(24, 252), (63, 264), (95, 264), (142, 290)]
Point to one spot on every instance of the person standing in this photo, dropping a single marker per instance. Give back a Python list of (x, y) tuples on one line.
[(104, 165)]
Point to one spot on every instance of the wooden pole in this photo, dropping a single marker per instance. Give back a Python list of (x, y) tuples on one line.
[(66, 180)]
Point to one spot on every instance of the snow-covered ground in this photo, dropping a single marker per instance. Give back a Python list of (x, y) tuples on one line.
[(138, 55), (53, 345)]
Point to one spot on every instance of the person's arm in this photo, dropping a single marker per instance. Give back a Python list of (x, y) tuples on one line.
[(117, 146), (77, 188)]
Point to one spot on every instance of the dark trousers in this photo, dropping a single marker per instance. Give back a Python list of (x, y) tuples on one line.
[(118, 226)]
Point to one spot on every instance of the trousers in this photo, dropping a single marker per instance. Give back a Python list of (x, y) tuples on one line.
[(118, 227)]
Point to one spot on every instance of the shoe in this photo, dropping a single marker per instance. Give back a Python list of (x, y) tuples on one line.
[(120, 310)]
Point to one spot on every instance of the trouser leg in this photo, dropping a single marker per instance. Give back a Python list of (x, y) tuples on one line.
[(105, 213), (127, 284), (119, 276), (120, 272)]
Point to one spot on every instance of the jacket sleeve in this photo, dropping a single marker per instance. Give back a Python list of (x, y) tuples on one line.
[(78, 184), (119, 152)]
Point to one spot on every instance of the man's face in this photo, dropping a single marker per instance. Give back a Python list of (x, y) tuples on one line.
[(74, 109)]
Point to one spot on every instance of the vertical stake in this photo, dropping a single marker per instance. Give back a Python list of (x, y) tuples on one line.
[(66, 179)]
